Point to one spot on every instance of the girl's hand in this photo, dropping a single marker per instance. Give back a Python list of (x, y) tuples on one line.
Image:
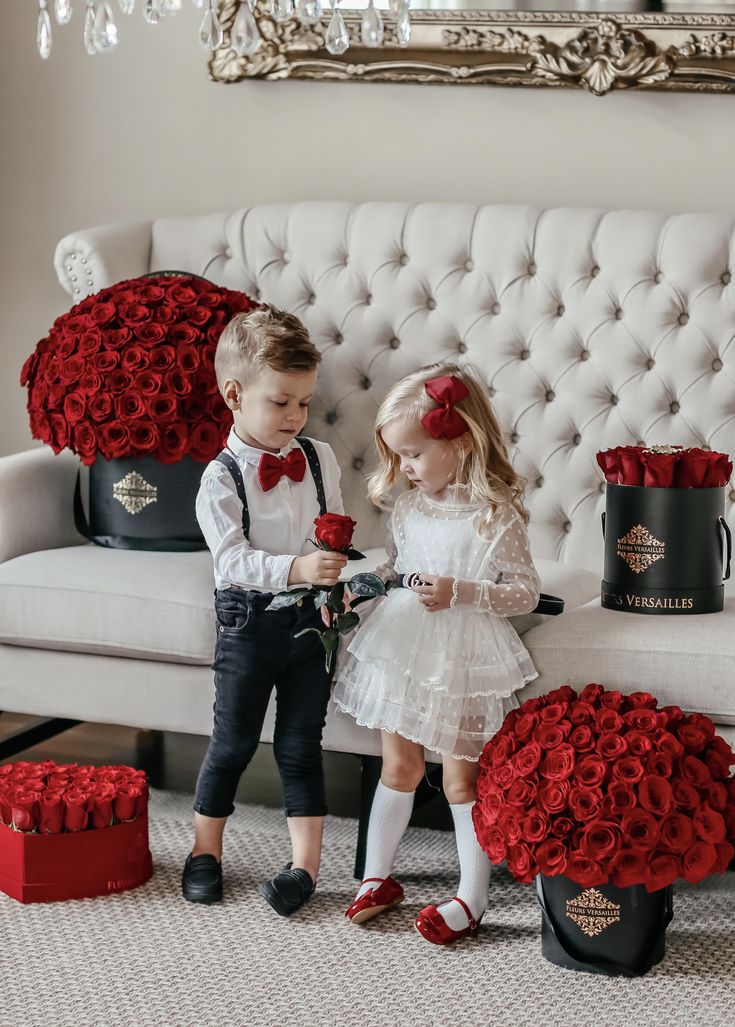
[(436, 594)]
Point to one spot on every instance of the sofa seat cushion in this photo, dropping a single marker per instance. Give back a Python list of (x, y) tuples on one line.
[(118, 602), (155, 606), (684, 660)]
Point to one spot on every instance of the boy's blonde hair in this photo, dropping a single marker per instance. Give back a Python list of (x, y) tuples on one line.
[(482, 458), (265, 337)]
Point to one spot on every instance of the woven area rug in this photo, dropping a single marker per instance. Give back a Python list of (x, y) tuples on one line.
[(146, 957)]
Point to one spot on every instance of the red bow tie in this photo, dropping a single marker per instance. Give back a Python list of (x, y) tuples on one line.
[(272, 468)]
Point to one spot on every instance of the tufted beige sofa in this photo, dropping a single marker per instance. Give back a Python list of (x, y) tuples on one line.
[(592, 329)]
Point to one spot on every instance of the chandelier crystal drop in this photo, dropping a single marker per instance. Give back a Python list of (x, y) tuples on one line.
[(240, 29), (62, 11)]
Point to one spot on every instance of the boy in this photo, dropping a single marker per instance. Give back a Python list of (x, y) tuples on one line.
[(256, 508)]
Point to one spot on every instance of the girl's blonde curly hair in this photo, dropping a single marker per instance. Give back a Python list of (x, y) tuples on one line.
[(482, 460)]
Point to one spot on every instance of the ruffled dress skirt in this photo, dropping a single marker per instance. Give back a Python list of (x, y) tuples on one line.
[(445, 680)]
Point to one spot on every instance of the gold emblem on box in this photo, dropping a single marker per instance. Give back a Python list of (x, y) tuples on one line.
[(134, 492), (592, 912), (640, 549)]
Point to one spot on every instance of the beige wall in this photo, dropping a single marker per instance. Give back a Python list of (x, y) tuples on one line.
[(143, 132)]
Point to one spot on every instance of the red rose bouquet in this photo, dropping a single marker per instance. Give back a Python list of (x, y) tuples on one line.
[(50, 798), (665, 467), (129, 372), (334, 534), (603, 787)]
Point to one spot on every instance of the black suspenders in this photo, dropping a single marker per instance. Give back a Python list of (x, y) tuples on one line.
[(314, 466)]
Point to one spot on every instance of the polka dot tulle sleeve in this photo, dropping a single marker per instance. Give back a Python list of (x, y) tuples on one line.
[(387, 570), (512, 585)]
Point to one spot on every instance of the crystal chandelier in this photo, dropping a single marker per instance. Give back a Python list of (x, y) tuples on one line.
[(100, 27)]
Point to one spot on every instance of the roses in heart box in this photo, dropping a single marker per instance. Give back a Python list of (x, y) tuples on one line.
[(71, 832)]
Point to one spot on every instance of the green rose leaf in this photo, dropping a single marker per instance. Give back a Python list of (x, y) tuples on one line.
[(284, 599), (354, 554), (346, 622), (368, 585), (320, 599)]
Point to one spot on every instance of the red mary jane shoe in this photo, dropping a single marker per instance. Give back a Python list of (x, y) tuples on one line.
[(385, 895), (431, 925)]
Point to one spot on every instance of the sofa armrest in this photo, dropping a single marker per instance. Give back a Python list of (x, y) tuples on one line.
[(36, 502), (93, 258)]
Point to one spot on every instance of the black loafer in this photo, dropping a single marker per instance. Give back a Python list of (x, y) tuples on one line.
[(288, 890), (201, 880)]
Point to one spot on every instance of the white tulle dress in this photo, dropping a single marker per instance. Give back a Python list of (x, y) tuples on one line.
[(446, 679)]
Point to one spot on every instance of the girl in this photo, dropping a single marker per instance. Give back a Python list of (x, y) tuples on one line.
[(435, 664)]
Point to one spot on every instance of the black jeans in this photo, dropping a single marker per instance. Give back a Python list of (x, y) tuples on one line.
[(255, 652)]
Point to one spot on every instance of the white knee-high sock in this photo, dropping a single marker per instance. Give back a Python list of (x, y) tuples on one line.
[(474, 870), (389, 816)]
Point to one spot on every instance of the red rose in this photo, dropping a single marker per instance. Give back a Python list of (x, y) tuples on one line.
[(493, 842), (551, 857), (526, 761), (694, 771), (582, 739), (669, 744), (640, 830), (608, 720), (552, 795), (548, 736), (178, 382), (520, 863), (509, 823), (162, 358), (654, 794), (591, 693), (74, 408), (148, 383), (658, 469), (691, 469), (181, 295), (129, 406), (101, 803), (125, 801), (188, 358), (85, 442), (144, 436), (698, 861), (709, 824), (23, 805), (522, 793), (585, 803), (59, 432), (629, 769), (334, 531), (72, 369), (677, 832), (716, 795), (562, 827), (105, 361), (103, 313), (76, 813), (725, 854), (152, 293), (501, 749), (114, 439), (659, 763), (150, 334), (524, 725), (504, 775), (100, 407), (581, 713), (167, 314), (205, 441), (134, 313), (692, 738), (199, 316), (590, 772), (641, 720), (585, 871), (135, 358), (628, 867), (184, 333), (719, 471), (641, 700), (90, 383), (162, 407), (119, 381), (622, 797), (558, 764), (174, 440), (662, 871), (612, 700), (535, 826), (611, 746), (116, 338), (552, 713), (51, 813)]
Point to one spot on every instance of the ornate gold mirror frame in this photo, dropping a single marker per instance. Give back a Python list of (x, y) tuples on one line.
[(597, 52)]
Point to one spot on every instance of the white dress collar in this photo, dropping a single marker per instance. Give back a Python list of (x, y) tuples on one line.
[(251, 454)]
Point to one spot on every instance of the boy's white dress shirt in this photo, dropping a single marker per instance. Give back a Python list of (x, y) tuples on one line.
[(281, 520)]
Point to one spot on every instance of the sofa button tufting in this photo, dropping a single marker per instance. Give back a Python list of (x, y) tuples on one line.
[(550, 396), (584, 354), (491, 391), (514, 437), (576, 439), (495, 308), (731, 497), (403, 259), (560, 310), (684, 318), (331, 417), (618, 313), (726, 278), (613, 400), (602, 486), (658, 277), (524, 354), (366, 383), (674, 408), (717, 364), (469, 265), (394, 343), (532, 269), (567, 527), (312, 299), (358, 463), (462, 348), (368, 300), (539, 482), (594, 271), (650, 363), (339, 338), (228, 253), (346, 259), (431, 303), (285, 257)]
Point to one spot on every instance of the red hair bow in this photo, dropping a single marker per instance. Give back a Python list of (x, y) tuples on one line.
[(445, 422)]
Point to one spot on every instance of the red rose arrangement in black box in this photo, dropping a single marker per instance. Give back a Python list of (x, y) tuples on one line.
[(665, 467), (71, 832), (602, 787), (129, 371)]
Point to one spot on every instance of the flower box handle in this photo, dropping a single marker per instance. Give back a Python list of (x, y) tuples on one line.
[(728, 545)]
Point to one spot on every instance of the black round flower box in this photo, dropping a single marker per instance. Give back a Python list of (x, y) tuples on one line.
[(603, 929), (664, 550), (141, 503)]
